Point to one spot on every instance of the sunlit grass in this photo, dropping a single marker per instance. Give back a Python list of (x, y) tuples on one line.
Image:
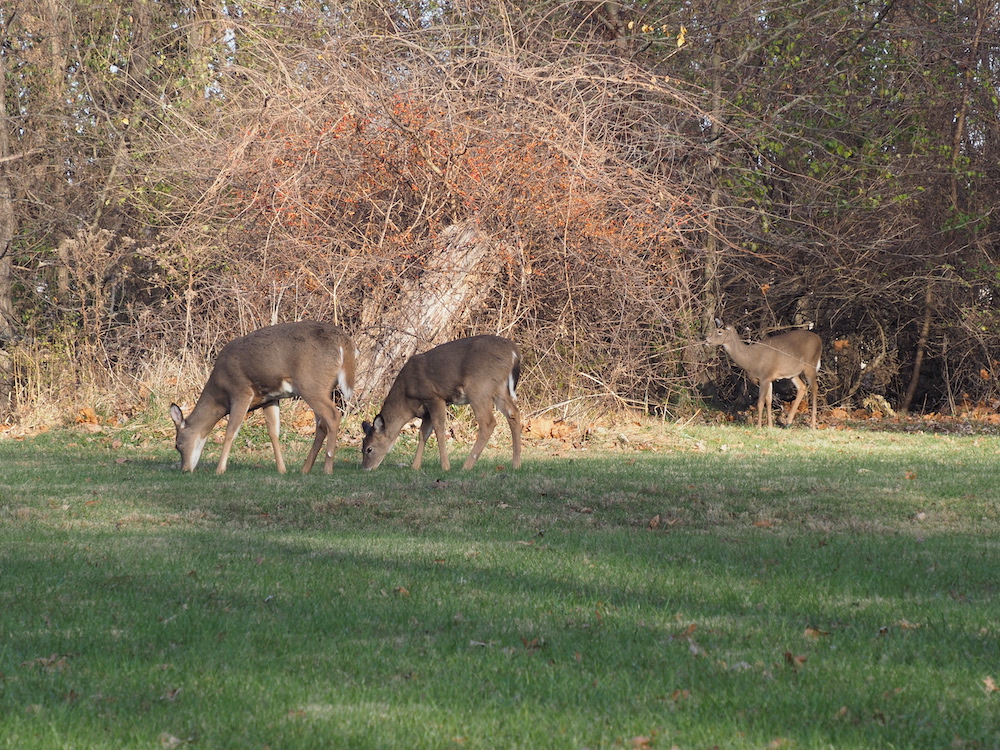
[(685, 587)]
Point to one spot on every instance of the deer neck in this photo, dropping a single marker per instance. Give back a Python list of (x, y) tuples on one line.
[(213, 405), (397, 410), (739, 351)]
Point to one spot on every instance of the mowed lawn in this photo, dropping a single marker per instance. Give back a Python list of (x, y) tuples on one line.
[(673, 586)]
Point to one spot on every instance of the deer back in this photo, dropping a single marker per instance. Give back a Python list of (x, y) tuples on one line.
[(286, 359), (782, 356), (461, 371), (795, 352)]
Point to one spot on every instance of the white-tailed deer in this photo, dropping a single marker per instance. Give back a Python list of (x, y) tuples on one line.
[(305, 359), (786, 355), (482, 371)]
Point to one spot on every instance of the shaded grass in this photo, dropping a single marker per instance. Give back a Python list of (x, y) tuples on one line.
[(695, 587)]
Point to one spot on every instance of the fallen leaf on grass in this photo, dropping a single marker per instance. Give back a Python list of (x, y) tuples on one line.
[(794, 661), (401, 590), (686, 633), (660, 522), (86, 416), (171, 695), (533, 645), (990, 685), (542, 428), (815, 633), (54, 663), (168, 741)]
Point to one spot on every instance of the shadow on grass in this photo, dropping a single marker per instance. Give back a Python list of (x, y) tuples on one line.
[(535, 610), (668, 633)]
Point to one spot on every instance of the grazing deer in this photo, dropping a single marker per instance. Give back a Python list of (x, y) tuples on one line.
[(482, 371), (787, 355), (305, 359)]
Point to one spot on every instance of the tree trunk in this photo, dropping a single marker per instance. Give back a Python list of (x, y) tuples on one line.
[(712, 250), (918, 361), (8, 227)]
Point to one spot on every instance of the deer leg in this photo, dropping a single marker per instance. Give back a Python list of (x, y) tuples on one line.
[(439, 419), (813, 385), (272, 418), (327, 427), (332, 431), (318, 439), (426, 425), (237, 412), (761, 397), (509, 409), (800, 392), (486, 422), (770, 404)]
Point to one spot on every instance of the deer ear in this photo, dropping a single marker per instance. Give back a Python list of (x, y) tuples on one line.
[(368, 428), (177, 415), (718, 323)]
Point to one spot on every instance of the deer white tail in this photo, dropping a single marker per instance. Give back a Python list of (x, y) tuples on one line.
[(515, 374), (345, 378)]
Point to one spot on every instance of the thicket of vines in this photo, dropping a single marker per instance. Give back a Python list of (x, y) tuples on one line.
[(181, 174)]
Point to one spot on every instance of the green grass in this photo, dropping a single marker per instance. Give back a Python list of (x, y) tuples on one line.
[(799, 589)]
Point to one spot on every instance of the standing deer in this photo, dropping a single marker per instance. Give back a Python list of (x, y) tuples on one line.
[(482, 371), (786, 355), (305, 359)]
